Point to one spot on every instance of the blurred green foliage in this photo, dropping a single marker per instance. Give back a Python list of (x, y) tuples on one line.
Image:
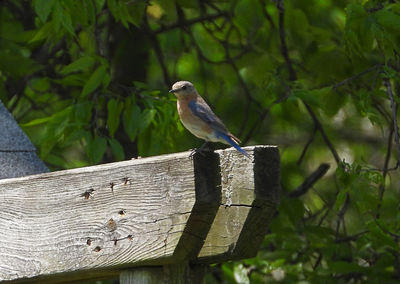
[(88, 80)]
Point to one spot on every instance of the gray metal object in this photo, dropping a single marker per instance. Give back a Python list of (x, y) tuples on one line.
[(17, 154)]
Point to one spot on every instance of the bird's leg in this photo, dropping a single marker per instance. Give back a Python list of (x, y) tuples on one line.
[(204, 147), (200, 150)]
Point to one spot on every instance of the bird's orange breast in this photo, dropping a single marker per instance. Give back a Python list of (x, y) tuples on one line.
[(193, 123)]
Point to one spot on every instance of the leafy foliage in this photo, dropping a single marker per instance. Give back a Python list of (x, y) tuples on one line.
[(88, 80)]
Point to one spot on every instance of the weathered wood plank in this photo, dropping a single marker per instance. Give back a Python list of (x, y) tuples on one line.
[(250, 194), (89, 223), (96, 218)]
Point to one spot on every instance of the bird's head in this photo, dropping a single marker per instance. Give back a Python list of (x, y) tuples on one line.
[(183, 88)]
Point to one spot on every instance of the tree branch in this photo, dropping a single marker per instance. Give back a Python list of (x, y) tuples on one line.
[(310, 181), (356, 76), (393, 106), (385, 171), (158, 51), (190, 22), (340, 214), (318, 125), (310, 140), (264, 114), (293, 77), (351, 238), (267, 16), (282, 38), (396, 237)]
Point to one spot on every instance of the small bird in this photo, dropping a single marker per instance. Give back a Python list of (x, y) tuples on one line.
[(199, 119)]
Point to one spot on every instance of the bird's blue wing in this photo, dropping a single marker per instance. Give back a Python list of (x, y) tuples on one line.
[(206, 114), (234, 144)]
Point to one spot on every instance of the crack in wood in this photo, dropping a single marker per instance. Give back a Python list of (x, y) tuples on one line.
[(240, 205)]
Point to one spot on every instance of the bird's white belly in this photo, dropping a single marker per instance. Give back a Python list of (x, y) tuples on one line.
[(199, 132), (195, 125)]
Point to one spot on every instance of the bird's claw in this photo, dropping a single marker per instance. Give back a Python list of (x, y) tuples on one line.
[(200, 150), (196, 150), (192, 152)]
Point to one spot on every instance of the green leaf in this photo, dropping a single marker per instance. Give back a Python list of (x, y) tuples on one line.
[(132, 13), (168, 8), (248, 15), (82, 64), (188, 3), (118, 13), (72, 80), (240, 274), (62, 17), (43, 33), (311, 97), (74, 136), (319, 237), (43, 8), (36, 121), (211, 48), (54, 132), (40, 84), (88, 42), (15, 64), (140, 85), (114, 109), (136, 11), (14, 31), (56, 160), (83, 112), (388, 20), (344, 267), (341, 197), (95, 80), (374, 176), (381, 238), (227, 269), (355, 12), (294, 209), (355, 24), (56, 117), (146, 118), (96, 149), (117, 149), (99, 5), (130, 119)]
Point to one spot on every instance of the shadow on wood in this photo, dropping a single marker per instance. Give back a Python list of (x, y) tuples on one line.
[(93, 222)]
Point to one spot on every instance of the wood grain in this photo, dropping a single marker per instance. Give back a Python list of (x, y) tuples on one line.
[(89, 223), (250, 195), (95, 217)]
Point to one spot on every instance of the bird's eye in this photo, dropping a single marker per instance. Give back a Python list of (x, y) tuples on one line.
[(184, 88)]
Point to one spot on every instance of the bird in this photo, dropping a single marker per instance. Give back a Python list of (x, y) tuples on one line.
[(199, 119)]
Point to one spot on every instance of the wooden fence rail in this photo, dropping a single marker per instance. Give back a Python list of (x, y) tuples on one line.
[(164, 211)]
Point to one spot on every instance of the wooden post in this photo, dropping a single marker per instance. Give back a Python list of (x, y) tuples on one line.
[(180, 273), (151, 219)]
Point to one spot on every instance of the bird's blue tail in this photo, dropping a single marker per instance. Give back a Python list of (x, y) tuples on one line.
[(234, 144)]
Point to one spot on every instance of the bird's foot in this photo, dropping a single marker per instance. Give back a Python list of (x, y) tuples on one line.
[(192, 152), (203, 148), (197, 150)]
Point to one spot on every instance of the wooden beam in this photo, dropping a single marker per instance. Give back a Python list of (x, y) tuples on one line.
[(250, 194), (89, 223)]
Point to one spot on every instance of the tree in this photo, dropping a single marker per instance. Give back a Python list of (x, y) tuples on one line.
[(88, 80)]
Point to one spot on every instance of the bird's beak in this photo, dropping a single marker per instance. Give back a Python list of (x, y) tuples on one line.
[(171, 91)]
